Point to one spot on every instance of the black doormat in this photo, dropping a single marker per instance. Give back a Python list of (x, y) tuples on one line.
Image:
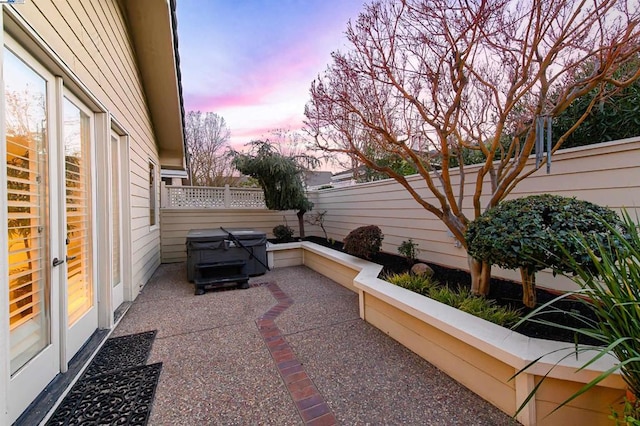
[(121, 398), (116, 389), (119, 353)]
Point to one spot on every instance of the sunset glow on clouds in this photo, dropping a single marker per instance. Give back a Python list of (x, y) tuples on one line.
[(253, 61)]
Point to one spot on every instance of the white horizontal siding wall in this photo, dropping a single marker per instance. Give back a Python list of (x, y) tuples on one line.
[(92, 39), (606, 174)]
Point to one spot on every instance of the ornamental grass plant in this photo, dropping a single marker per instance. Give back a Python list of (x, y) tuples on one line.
[(611, 288), (460, 298)]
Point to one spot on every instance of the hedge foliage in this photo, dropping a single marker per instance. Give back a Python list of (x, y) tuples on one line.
[(364, 242), (529, 232)]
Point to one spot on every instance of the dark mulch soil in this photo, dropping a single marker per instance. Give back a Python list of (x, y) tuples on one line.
[(504, 292)]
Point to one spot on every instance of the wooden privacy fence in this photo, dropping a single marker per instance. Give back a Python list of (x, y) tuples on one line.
[(607, 174)]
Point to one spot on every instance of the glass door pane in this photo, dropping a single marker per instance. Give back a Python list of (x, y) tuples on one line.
[(29, 298), (77, 138)]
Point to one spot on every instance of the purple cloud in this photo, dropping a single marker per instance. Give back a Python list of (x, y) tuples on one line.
[(257, 56)]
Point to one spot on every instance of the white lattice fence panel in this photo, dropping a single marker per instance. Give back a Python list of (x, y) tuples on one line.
[(196, 197), (242, 198)]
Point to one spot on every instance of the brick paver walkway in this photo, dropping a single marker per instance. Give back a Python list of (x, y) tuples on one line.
[(308, 400)]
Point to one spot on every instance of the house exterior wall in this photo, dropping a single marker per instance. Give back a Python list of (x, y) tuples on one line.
[(92, 39), (88, 47)]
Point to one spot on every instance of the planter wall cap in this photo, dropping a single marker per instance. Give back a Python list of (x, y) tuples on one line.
[(365, 267), (283, 246)]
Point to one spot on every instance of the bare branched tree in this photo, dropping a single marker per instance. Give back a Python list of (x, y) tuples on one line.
[(437, 76), (289, 143), (207, 138)]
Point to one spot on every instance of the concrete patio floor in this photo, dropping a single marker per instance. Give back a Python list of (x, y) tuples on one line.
[(290, 350)]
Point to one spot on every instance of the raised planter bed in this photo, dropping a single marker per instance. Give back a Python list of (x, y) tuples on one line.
[(480, 355)]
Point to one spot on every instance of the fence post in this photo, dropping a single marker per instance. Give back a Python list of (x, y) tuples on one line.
[(164, 195), (227, 196)]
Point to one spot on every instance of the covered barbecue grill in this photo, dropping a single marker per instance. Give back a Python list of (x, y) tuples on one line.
[(217, 257)]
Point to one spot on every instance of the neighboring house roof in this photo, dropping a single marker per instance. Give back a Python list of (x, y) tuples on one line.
[(346, 175), (153, 27), (315, 178)]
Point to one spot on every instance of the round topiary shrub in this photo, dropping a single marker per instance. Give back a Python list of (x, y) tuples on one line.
[(364, 242), (283, 233), (537, 232)]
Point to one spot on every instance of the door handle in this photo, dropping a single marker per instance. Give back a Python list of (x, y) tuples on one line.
[(57, 262), (71, 258)]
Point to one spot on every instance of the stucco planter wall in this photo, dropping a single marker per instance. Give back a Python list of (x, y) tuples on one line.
[(480, 355)]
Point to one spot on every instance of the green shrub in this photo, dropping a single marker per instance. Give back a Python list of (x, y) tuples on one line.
[(364, 242), (409, 249), (283, 233), (524, 233)]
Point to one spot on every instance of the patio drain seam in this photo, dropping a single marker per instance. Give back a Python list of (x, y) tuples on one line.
[(310, 404)]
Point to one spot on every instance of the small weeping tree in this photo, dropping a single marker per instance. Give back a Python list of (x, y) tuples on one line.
[(279, 175), (531, 234)]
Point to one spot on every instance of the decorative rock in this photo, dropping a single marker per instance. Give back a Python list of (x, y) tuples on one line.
[(421, 269)]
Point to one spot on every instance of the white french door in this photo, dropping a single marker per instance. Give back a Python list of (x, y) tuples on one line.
[(34, 284), (52, 285)]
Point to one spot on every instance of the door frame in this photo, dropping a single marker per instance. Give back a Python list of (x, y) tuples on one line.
[(4, 242), (71, 346), (106, 125), (115, 192), (129, 292)]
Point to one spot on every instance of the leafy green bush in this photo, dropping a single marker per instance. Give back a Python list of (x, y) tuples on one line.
[(524, 233), (460, 299), (611, 288), (283, 233), (364, 242), (410, 250)]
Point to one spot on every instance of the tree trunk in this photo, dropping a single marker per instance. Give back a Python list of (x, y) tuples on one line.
[(300, 215), (480, 276), (528, 288)]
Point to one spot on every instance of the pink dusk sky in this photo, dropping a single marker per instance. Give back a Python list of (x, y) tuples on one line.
[(253, 61)]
